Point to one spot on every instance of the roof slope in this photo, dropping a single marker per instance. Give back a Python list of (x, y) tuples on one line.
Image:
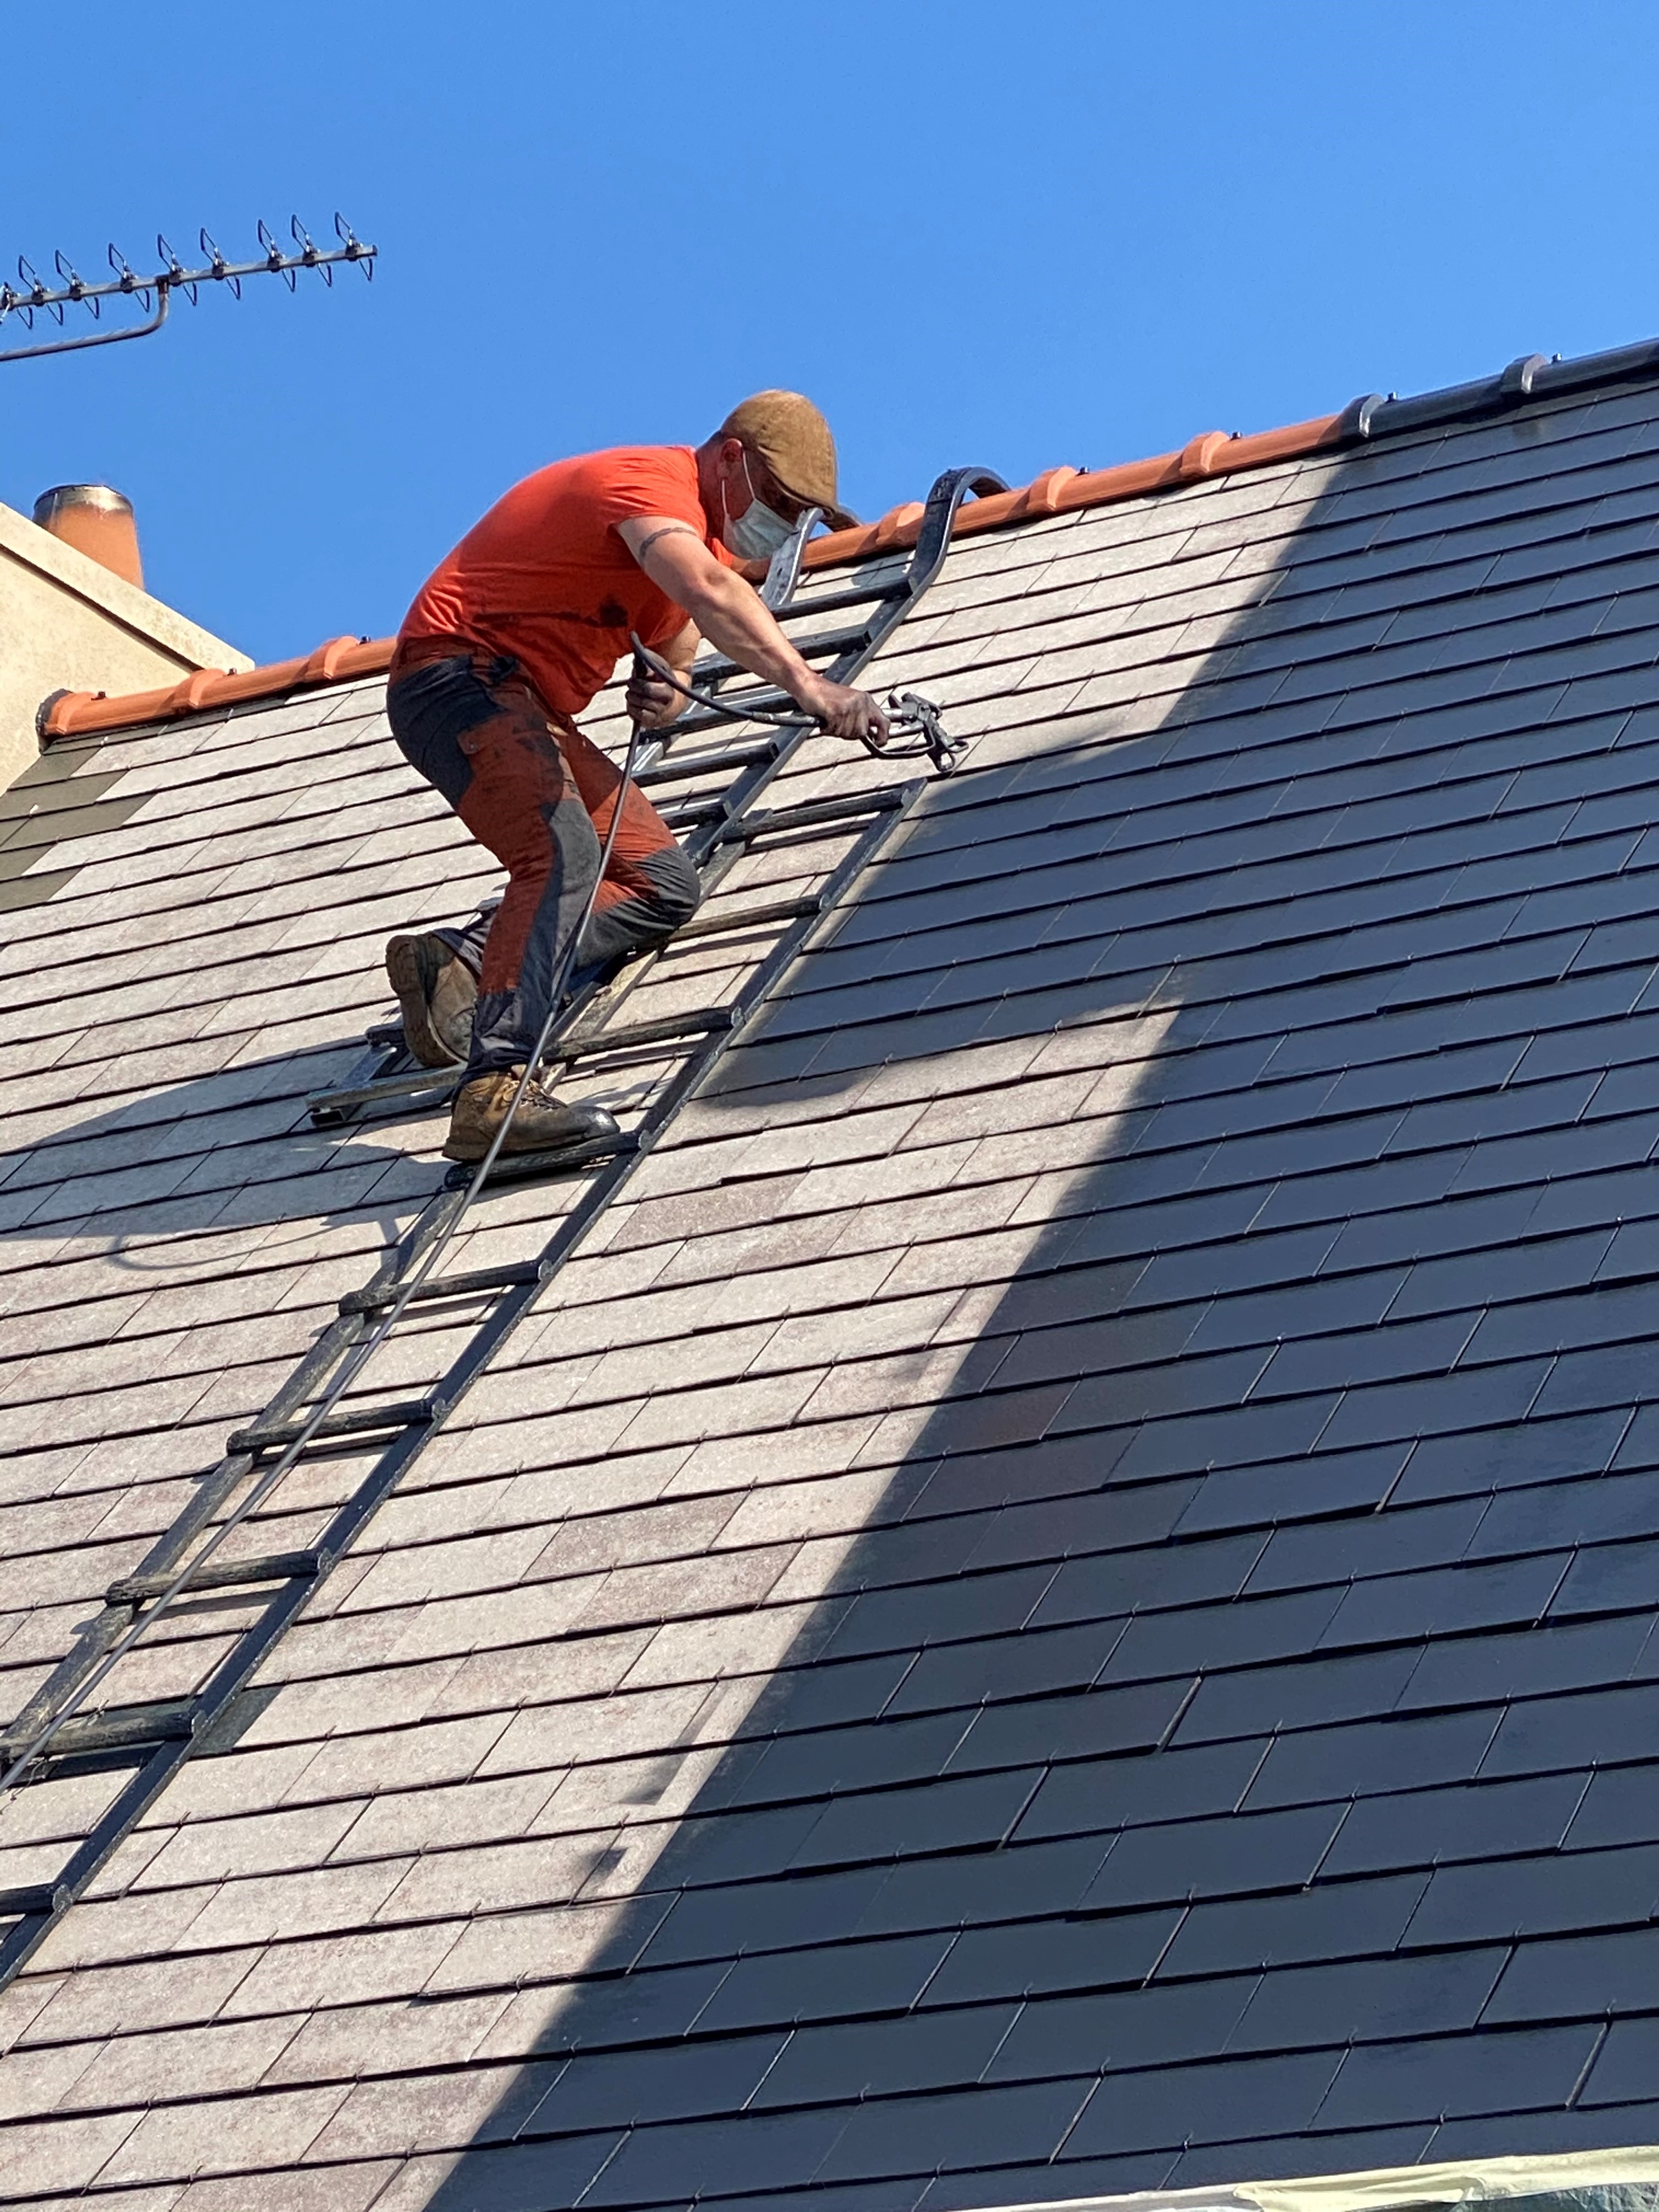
[(1063, 1599)]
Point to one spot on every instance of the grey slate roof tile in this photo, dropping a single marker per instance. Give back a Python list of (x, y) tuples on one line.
[(1297, 1693), (502, 2178), (668, 2083), (1580, 1511), (882, 1975), (1373, 1756), (972, 1886), (1027, 1958), (63, 2155), (664, 2164), (1068, 1728), (1611, 1723), (174, 2142), (1476, 1668), (1479, 1822), (1492, 2073), (1117, 2029), (1343, 2150), (954, 2132), (1334, 1920), (937, 2048), (1180, 1859), (1379, 2000), (947, 1814), (1539, 1451), (1583, 2128), (1536, 1896), (1237, 2099)]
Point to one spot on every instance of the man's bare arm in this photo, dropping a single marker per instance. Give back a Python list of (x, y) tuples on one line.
[(730, 615)]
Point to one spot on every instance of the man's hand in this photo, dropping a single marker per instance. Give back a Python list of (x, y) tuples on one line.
[(652, 703), (844, 711)]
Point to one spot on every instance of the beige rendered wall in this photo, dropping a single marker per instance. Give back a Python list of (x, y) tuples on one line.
[(68, 624)]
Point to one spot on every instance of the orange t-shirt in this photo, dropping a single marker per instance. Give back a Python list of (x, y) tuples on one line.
[(545, 578)]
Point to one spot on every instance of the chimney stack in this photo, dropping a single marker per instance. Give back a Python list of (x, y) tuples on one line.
[(97, 522)]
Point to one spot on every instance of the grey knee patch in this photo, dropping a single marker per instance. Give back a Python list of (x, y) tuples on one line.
[(677, 891)]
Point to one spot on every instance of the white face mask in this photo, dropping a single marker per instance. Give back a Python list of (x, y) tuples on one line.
[(757, 532)]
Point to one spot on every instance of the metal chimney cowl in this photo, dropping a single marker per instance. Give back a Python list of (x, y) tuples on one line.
[(96, 522)]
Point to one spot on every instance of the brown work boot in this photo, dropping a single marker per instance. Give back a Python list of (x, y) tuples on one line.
[(437, 994), (542, 1124)]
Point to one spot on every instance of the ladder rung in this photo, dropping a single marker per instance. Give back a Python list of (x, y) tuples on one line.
[(718, 667), (517, 1167), (691, 812), (675, 771), (702, 1021), (811, 814), (829, 603), (327, 1105), (43, 1897), (333, 1105), (231, 1574), (749, 917), (444, 1286), (123, 1728), (404, 1413)]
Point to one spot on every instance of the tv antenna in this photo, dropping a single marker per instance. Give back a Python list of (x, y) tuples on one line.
[(31, 295)]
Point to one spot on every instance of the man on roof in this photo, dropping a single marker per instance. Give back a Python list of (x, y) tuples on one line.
[(507, 642)]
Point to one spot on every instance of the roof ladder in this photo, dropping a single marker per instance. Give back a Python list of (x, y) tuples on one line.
[(250, 1595)]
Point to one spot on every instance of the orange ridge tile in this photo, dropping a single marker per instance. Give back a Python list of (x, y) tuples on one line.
[(1056, 491)]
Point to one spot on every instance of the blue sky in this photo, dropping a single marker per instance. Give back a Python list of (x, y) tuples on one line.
[(1018, 235)]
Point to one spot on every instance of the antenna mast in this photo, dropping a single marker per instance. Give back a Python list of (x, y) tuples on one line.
[(33, 295)]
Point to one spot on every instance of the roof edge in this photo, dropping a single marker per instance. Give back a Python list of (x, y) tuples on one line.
[(131, 605), (1056, 491)]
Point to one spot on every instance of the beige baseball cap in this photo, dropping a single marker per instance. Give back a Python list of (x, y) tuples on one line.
[(794, 441)]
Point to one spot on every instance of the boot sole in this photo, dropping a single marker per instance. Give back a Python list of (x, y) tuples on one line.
[(403, 970), (469, 1155)]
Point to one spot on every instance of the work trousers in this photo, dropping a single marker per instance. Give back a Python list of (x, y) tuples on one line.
[(540, 796)]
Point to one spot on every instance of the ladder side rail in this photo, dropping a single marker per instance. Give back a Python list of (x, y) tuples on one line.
[(705, 847), (233, 1470), (716, 851), (236, 1669)]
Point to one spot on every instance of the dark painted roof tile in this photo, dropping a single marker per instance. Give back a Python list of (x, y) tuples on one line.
[(1497, 2072), (1229, 2100), (1334, 1920)]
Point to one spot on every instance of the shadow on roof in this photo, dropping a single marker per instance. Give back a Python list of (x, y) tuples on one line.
[(226, 1151), (1030, 1870)]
